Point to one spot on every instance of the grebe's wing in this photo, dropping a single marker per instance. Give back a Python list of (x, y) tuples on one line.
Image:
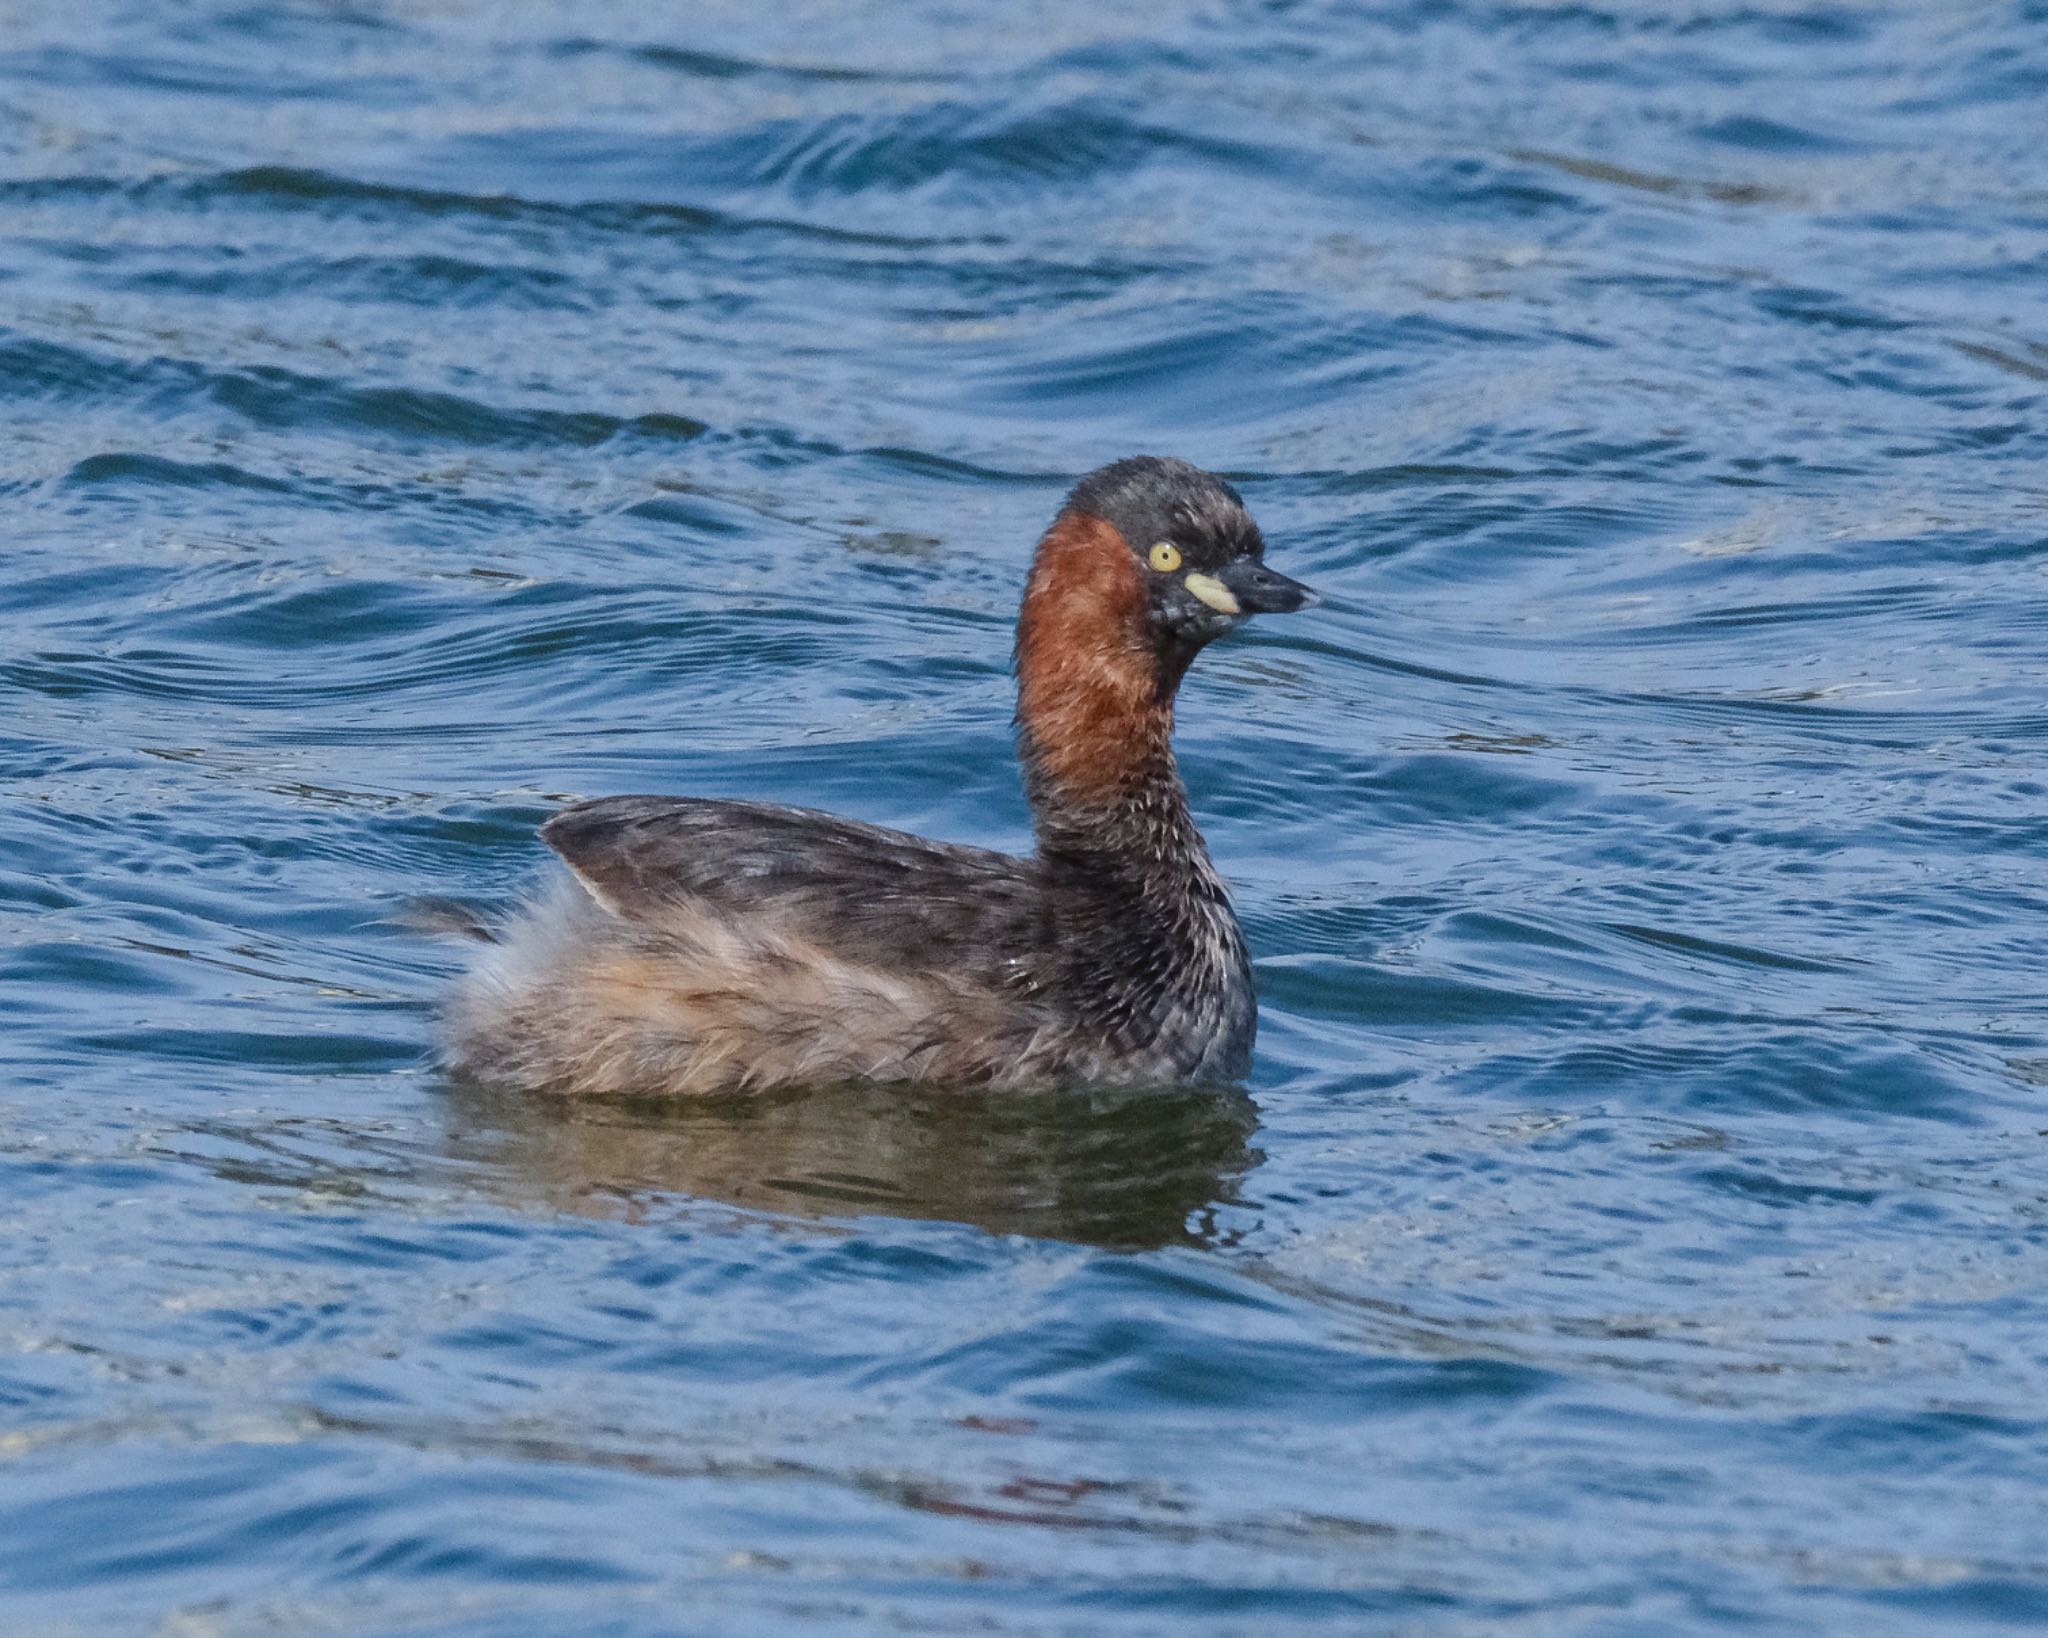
[(861, 888)]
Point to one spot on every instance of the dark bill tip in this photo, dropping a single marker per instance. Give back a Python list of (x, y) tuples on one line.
[(1261, 590)]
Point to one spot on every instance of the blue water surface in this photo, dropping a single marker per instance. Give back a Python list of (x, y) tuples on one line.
[(417, 413)]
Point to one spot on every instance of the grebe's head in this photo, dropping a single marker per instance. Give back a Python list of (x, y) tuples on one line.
[(1200, 559), (1148, 560)]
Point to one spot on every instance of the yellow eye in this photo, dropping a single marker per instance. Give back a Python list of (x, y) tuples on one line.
[(1165, 557)]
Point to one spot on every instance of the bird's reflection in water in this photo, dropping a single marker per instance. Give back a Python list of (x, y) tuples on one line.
[(1124, 1170)]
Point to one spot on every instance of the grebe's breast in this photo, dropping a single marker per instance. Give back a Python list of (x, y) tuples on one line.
[(1158, 966)]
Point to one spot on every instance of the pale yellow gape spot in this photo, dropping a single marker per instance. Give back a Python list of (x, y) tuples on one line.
[(1165, 557), (1213, 592)]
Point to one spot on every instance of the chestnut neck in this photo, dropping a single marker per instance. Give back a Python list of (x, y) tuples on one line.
[(1095, 711)]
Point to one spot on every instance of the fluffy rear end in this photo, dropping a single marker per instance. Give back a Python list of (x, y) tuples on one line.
[(573, 999)]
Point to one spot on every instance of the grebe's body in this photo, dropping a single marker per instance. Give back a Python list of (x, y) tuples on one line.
[(712, 946)]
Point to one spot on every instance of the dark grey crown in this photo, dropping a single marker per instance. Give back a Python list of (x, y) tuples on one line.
[(1154, 497)]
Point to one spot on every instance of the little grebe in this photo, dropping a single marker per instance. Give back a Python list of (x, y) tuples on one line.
[(714, 946)]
